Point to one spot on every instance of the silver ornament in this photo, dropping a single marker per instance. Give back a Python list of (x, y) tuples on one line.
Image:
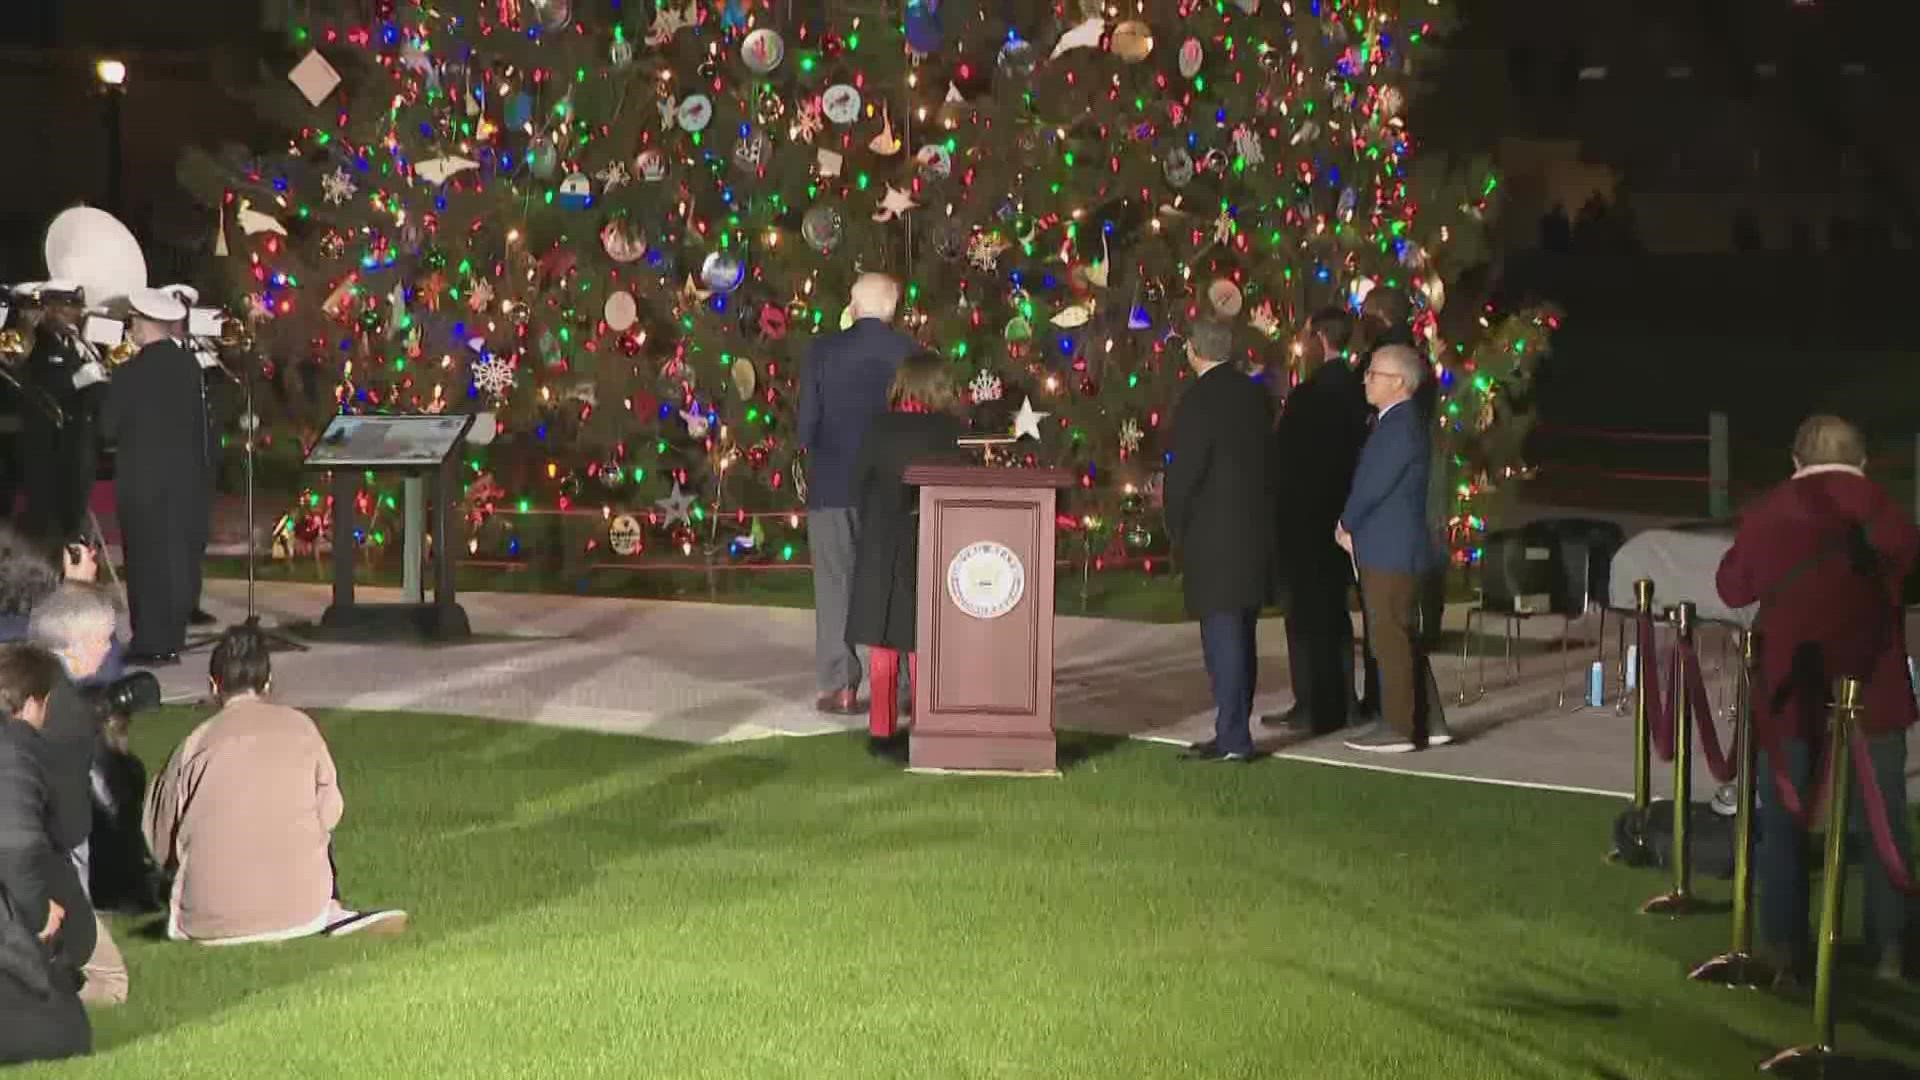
[(722, 271), (1178, 166), (822, 228)]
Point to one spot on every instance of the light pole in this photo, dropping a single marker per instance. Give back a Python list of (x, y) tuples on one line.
[(113, 82)]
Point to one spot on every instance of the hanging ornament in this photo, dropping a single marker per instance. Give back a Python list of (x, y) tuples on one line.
[(827, 162), (624, 535), (1085, 35), (651, 164), (576, 192), (670, 21), (614, 176), (1435, 290), (1191, 54), (752, 152), (924, 31), (696, 421), (984, 249), (949, 242), (620, 53), (621, 243), (841, 104), (1026, 423), (744, 378), (821, 227), (886, 143), (808, 121), (1225, 297), (763, 50), (934, 161), (985, 387), (1132, 41), (548, 15), (493, 376), (338, 186), (677, 507), (769, 106), (1016, 61), (439, 170), (694, 113), (1017, 330), (1349, 199), (1130, 436), (773, 322), (1306, 131), (620, 311), (1073, 316), (1178, 165), (546, 159), (1246, 143), (722, 271), (333, 245), (894, 204), (1264, 321), (1248, 7)]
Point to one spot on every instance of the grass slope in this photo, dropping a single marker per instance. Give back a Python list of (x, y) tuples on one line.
[(599, 906)]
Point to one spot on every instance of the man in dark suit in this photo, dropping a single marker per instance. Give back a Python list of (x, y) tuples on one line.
[(1316, 445), (844, 388), (1384, 528), (1217, 485)]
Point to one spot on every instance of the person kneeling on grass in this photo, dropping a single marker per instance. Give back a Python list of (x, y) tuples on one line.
[(243, 817), (921, 426)]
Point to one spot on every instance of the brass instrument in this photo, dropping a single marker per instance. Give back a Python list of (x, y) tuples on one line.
[(120, 353), (236, 335), (13, 344)]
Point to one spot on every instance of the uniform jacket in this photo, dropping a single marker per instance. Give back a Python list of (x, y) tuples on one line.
[(156, 412), (886, 562), (1828, 621), (1316, 446), (844, 388), (1386, 511), (1219, 492)]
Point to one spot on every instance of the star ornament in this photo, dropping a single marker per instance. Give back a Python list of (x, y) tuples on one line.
[(895, 203), (1026, 422), (678, 507)]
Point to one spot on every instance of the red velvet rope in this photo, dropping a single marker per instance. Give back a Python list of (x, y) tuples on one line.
[(1660, 704), (1718, 763), (1878, 822)]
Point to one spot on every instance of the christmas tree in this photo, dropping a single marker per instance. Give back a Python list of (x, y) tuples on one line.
[(616, 227)]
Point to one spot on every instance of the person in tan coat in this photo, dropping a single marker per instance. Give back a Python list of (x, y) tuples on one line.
[(243, 817)]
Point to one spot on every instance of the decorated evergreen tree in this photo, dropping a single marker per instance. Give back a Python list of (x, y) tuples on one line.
[(616, 228)]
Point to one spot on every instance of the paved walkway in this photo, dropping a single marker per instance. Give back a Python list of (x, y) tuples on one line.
[(711, 673)]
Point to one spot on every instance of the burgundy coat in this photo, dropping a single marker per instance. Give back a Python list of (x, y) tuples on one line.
[(1828, 621)]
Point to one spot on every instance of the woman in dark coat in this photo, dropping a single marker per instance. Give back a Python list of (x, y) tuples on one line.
[(1824, 555), (40, 1013), (922, 425)]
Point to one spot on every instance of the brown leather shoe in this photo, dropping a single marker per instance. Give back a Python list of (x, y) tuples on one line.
[(839, 703)]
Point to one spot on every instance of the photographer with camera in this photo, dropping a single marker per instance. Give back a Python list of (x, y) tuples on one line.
[(41, 1017), (76, 624)]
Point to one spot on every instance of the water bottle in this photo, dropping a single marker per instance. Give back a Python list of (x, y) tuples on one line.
[(1596, 685), (1633, 668)]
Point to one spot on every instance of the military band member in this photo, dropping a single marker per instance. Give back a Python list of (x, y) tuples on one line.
[(58, 440)]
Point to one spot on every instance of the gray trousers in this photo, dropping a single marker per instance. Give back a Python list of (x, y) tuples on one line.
[(832, 536)]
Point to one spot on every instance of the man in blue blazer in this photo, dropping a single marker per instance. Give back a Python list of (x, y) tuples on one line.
[(1384, 528), (842, 390)]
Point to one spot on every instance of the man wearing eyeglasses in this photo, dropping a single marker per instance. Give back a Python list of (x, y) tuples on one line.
[(1384, 528)]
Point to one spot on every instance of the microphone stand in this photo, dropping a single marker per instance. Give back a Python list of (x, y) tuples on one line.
[(249, 426)]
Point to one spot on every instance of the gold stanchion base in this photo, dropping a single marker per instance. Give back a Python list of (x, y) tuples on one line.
[(1810, 1060), (1674, 904), (1734, 969)]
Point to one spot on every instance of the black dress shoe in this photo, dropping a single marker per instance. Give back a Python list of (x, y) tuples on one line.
[(151, 659), (1210, 751), (201, 618), (890, 748)]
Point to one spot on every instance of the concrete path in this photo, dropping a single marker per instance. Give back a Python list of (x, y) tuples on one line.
[(711, 673)]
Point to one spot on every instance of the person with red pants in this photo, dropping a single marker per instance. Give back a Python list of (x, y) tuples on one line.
[(922, 424)]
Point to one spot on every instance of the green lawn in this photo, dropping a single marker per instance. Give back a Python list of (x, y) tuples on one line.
[(602, 906)]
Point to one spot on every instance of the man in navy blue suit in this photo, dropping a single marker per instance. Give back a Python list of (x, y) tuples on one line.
[(1219, 494), (843, 389), (1384, 528)]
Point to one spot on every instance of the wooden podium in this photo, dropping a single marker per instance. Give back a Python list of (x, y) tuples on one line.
[(984, 699)]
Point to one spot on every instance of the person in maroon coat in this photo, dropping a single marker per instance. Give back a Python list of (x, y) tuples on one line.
[(1825, 555)]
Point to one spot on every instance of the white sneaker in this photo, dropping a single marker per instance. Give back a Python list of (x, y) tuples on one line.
[(385, 923)]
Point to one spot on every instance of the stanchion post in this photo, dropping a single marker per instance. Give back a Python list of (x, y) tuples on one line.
[(1738, 966), (1681, 900), (1811, 1059), (1642, 719)]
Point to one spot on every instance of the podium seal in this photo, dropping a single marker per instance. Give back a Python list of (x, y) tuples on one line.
[(986, 580)]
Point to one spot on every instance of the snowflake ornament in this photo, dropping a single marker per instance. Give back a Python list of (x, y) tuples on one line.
[(1246, 143), (479, 294), (614, 176), (494, 377), (1130, 435), (984, 249), (808, 122), (985, 387), (338, 186)]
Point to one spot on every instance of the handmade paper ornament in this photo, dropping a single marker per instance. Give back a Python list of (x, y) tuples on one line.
[(651, 164), (1074, 316), (828, 162), (841, 104), (894, 204), (886, 143), (1178, 165), (694, 113), (1132, 41), (935, 161), (1086, 35), (752, 152), (1017, 60), (439, 170), (669, 21), (1225, 297), (624, 535), (722, 271), (744, 378), (548, 15), (620, 311), (314, 78), (822, 228), (1190, 56), (925, 34), (763, 50), (576, 192)]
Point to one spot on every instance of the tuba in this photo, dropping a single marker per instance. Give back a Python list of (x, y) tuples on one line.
[(92, 249)]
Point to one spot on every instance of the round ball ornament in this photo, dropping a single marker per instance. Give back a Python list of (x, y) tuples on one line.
[(841, 104), (935, 161), (620, 53), (548, 15), (624, 535), (621, 244), (722, 271), (1178, 165), (822, 228), (695, 113), (1132, 41), (1225, 297), (763, 50), (1017, 60), (546, 160), (744, 378), (1190, 56), (925, 34), (620, 311)]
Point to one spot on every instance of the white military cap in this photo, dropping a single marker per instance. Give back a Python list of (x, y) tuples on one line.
[(158, 305)]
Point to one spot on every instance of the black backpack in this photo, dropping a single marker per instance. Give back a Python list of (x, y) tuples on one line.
[(1646, 839)]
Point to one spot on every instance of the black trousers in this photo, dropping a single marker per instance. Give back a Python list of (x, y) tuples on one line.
[(166, 541), (1320, 639), (42, 1029), (58, 465)]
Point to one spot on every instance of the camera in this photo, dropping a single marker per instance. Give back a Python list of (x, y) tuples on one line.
[(124, 696)]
